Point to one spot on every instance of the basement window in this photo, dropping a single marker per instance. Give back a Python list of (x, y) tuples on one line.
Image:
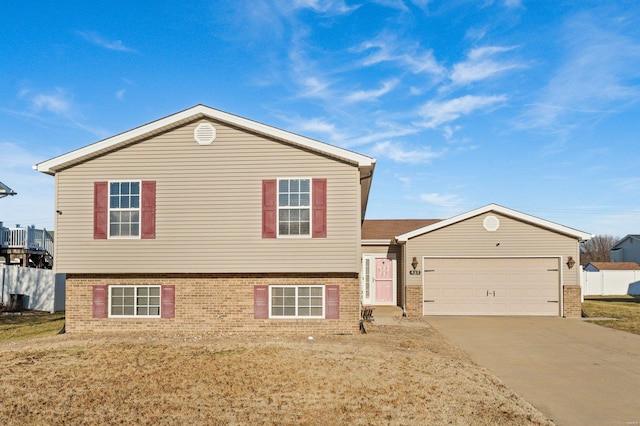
[(134, 301), (296, 301)]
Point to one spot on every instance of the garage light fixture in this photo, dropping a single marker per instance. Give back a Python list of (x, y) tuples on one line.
[(571, 262)]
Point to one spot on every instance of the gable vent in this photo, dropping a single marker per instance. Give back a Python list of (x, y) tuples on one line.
[(204, 134), (491, 223)]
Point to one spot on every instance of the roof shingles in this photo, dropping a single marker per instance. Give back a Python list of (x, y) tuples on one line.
[(386, 229)]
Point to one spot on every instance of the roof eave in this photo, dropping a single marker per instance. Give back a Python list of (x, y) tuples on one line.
[(502, 210), (199, 111)]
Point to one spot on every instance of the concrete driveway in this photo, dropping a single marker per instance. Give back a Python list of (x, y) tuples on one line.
[(574, 372)]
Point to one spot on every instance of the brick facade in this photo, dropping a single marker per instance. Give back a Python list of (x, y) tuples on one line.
[(414, 301), (211, 304), (572, 295)]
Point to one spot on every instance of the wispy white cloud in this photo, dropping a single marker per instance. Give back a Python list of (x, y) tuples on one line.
[(396, 152), (98, 40), (436, 113), (628, 184), (57, 102), (120, 94), (441, 200), (320, 6), (386, 48), (598, 74), (372, 95), (55, 107), (481, 64)]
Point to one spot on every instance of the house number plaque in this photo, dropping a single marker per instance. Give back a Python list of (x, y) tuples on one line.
[(414, 272)]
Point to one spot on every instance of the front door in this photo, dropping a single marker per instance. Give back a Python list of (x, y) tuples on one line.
[(378, 280), (384, 281)]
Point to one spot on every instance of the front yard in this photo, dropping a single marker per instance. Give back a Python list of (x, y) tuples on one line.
[(392, 375), (622, 312)]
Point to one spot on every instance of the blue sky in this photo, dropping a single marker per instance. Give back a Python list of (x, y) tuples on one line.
[(533, 105)]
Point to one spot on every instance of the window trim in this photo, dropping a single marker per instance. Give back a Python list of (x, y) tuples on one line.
[(310, 207), (296, 316), (110, 209), (135, 287)]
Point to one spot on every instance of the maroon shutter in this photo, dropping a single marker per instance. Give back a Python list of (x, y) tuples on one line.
[(100, 209), (100, 295), (269, 208), (332, 303), (261, 301), (319, 209), (168, 302), (148, 216)]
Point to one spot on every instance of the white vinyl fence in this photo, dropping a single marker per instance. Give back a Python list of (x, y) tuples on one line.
[(43, 290), (610, 283)]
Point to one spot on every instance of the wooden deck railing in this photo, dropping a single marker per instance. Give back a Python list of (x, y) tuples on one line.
[(27, 237)]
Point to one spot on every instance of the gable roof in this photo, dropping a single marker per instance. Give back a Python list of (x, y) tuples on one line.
[(387, 229), (622, 240), (189, 115), (498, 209), (365, 164), (615, 266)]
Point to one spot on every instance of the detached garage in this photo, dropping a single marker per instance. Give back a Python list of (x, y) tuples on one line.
[(489, 261)]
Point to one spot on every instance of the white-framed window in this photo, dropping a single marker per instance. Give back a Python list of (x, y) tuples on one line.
[(294, 207), (124, 209), (296, 301), (133, 301)]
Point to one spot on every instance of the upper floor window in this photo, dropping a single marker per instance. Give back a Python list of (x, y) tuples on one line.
[(294, 207), (124, 209)]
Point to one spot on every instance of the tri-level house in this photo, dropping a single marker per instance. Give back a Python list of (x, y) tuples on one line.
[(208, 222)]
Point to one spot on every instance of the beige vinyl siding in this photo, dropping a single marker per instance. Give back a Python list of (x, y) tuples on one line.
[(208, 208), (515, 238)]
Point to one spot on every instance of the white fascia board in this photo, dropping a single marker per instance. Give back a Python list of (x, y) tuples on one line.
[(195, 112), (504, 211)]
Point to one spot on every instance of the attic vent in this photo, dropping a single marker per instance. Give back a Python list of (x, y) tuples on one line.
[(491, 223), (204, 134)]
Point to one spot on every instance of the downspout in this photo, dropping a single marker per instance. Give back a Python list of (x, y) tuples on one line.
[(2, 293), (403, 253)]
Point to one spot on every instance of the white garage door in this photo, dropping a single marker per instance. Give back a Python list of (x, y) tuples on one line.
[(491, 286)]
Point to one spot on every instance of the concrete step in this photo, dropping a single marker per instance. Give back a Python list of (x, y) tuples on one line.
[(387, 312)]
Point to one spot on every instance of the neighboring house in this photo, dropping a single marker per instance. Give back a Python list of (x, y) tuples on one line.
[(26, 246), (611, 266), (489, 261), (209, 222), (626, 250)]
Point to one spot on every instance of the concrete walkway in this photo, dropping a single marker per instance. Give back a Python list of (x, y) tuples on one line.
[(574, 372)]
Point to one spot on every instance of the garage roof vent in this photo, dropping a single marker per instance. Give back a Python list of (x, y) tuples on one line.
[(204, 134), (491, 223)]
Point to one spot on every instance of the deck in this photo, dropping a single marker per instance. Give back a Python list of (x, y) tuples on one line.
[(26, 246)]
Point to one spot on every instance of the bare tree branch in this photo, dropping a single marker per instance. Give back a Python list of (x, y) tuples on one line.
[(597, 249)]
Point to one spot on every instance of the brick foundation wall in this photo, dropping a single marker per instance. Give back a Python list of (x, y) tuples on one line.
[(414, 301), (211, 304), (572, 305)]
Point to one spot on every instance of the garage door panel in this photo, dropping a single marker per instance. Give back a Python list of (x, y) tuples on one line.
[(491, 286)]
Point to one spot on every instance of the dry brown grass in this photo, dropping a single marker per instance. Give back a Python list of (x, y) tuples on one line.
[(29, 324), (393, 375), (625, 311)]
